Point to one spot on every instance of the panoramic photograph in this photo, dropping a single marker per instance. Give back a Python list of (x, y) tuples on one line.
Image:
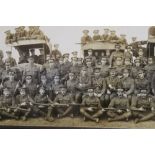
[(77, 76)]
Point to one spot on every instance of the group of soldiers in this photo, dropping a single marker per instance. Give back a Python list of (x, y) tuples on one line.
[(116, 86), (108, 36), (21, 33)]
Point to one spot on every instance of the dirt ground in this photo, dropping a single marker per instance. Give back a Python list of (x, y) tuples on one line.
[(73, 123)]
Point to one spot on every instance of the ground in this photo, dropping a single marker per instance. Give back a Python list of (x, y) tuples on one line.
[(73, 123)]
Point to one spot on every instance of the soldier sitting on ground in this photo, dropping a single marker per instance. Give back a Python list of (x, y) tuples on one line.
[(143, 107), (91, 107), (119, 107)]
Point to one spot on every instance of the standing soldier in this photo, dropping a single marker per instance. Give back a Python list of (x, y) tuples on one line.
[(137, 66), (104, 67), (119, 107), (85, 38), (74, 67), (99, 85), (96, 35), (134, 45), (150, 70), (105, 36), (56, 54), (9, 37), (128, 65), (119, 65), (141, 83), (64, 103), (128, 53), (23, 106), (91, 107), (32, 69), (43, 105), (90, 67), (143, 107), (142, 57), (33, 55), (90, 56), (10, 59), (116, 54)]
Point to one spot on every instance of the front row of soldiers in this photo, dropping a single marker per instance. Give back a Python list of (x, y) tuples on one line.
[(140, 107)]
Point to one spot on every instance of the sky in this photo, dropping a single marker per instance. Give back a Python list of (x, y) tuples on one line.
[(68, 36)]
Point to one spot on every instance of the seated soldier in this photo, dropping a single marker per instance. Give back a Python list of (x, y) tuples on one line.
[(143, 107), (122, 39), (43, 105), (119, 107), (91, 107), (23, 105), (6, 104), (113, 37), (96, 35), (105, 36), (64, 103), (9, 37), (99, 85), (112, 82)]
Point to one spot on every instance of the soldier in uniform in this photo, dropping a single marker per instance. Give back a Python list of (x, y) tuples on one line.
[(112, 82), (96, 35), (90, 55), (22, 33), (90, 67), (128, 65), (119, 65), (137, 66), (12, 84), (23, 106), (116, 54), (56, 54), (119, 107), (32, 69), (43, 105), (150, 69), (10, 59), (105, 36), (91, 107), (127, 84), (37, 33), (141, 83), (122, 39), (35, 57), (9, 37), (84, 83), (143, 107), (113, 37), (141, 57), (6, 104), (64, 103), (85, 38), (135, 47), (31, 86), (104, 67), (74, 67), (74, 54), (30, 32), (99, 85), (128, 53), (16, 36), (56, 84), (51, 70)]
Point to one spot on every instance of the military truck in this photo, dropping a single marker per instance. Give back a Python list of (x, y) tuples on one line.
[(99, 48)]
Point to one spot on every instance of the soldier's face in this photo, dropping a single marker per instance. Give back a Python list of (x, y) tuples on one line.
[(79, 62), (137, 64), (89, 64), (11, 77), (6, 93), (61, 62), (120, 93), (143, 95), (127, 63), (43, 79), (56, 80), (126, 74), (150, 61), (91, 93), (103, 62), (42, 91), (90, 53), (28, 80), (112, 73), (119, 62), (97, 74), (71, 76), (63, 91), (22, 93), (84, 72), (141, 75)]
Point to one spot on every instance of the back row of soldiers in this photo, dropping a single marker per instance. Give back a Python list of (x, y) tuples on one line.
[(115, 85), (21, 33), (108, 36)]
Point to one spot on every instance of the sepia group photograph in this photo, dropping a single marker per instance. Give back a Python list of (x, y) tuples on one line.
[(77, 76)]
